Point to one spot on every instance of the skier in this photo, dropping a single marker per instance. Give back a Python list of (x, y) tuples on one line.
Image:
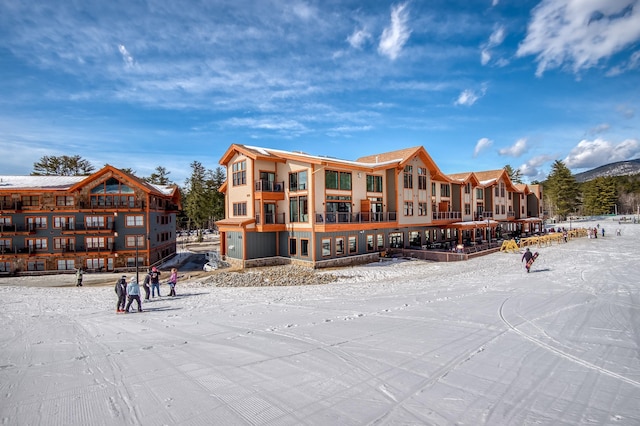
[(121, 291), (527, 256), (133, 293)]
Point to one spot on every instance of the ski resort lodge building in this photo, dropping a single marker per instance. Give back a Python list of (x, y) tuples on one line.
[(101, 222), (291, 207)]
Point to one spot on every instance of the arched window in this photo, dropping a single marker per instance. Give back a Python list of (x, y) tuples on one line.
[(112, 193)]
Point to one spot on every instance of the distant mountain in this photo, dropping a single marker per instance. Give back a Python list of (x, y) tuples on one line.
[(621, 168)]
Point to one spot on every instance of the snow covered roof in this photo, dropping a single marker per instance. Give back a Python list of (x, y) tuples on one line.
[(39, 182)]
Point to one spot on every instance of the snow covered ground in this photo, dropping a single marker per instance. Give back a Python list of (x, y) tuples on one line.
[(393, 343)]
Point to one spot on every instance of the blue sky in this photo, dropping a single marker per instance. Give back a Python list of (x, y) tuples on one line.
[(480, 84)]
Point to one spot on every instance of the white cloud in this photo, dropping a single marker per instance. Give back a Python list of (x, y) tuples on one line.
[(396, 35), (358, 38), (531, 168), (495, 39), (469, 97), (579, 33), (126, 56), (482, 145), (595, 153), (515, 150), (494, 3)]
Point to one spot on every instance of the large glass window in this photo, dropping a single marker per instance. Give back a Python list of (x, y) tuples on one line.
[(422, 178), (374, 183), (298, 181), (112, 193), (239, 173), (408, 176), (326, 247), (445, 190), (298, 209), (337, 180)]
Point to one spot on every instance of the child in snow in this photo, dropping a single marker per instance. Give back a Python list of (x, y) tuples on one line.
[(133, 291), (173, 280), (121, 291)]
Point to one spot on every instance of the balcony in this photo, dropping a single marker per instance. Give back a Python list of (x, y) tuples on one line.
[(447, 216), (109, 227), (269, 186), (14, 205), (114, 205), (270, 219), (483, 216), (9, 229), (350, 217)]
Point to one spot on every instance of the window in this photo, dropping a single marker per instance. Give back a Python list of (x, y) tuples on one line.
[(479, 194), (35, 265), (298, 181), (298, 209), (353, 245), (5, 266), (112, 193), (467, 188), (30, 200), (374, 183), (408, 208), (339, 246), (326, 247), (293, 245), (37, 244), (304, 247), (239, 209), (95, 242), (445, 190), (422, 209), (99, 264), (5, 245), (134, 240), (98, 222), (37, 222), (65, 265), (380, 240), (5, 221), (433, 189), (134, 220), (64, 200), (239, 173), (64, 222), (422, 178), (408, 177), (502, 189), (65, 244), (467, 208), (414, 239), (370, 246), (337, 180)]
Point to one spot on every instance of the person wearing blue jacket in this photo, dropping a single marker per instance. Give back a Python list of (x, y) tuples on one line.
[(133, 293)]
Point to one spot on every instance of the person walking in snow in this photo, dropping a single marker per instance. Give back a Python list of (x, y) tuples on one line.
[(133, 293), (526, 257), (173, 280), (121, 291), (145, 285), (602, 232), (79, 274), (155, 281)]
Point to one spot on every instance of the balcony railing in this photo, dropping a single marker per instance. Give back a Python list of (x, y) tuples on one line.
[(349, 217), (13, 205), (270, 219), (85, 227), (269, 186), (18, 228), (447, 215), (483, 216)]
